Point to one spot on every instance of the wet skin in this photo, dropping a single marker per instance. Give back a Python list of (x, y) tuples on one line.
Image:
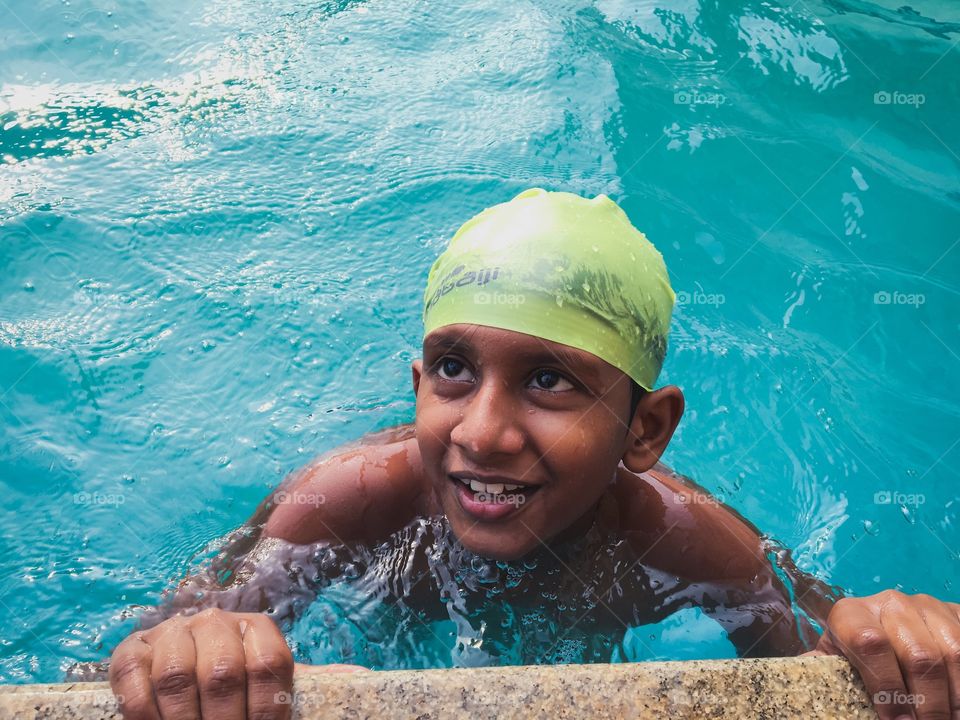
[(553, 419), (516, 409)]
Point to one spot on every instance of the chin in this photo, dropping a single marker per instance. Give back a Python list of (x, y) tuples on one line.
[(497, 540), (506, 543)]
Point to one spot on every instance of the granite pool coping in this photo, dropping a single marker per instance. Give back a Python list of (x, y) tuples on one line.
[(818, 687)]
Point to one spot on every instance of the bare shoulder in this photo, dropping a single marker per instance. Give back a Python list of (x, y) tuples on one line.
[(681, 528), (361, 492)]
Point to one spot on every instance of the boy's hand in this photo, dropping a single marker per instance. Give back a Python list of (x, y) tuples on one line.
[(215, 664), (906, 649)]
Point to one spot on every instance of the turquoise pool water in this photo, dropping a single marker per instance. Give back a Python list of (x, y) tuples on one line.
[(216, 219)]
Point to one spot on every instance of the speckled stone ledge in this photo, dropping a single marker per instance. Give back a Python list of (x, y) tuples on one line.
[(820, 687)]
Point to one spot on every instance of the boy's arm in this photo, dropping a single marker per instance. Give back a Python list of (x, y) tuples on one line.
[(749, 584), (358, 494), (361, 495), (232, 663), (906, 648)]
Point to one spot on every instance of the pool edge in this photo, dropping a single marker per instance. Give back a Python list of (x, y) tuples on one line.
[(823, 687)]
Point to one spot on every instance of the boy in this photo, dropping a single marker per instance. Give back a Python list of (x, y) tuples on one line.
[(537, 426)]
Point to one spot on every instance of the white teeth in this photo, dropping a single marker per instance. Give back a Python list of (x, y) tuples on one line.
[(489, 489)]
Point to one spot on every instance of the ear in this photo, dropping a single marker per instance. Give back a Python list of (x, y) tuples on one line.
[(417, 368), (657, 416)]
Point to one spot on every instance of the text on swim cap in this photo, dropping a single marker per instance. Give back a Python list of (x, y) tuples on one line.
[(479, 277)]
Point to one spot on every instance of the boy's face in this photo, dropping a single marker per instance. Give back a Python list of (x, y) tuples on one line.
[(515, 409)]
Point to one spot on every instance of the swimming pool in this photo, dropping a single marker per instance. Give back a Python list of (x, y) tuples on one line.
[(217, 220)]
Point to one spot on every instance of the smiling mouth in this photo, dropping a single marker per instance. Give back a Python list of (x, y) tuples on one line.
[(494, 488), (490, 501)]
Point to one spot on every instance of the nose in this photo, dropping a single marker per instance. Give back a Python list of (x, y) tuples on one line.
[(488, 425)]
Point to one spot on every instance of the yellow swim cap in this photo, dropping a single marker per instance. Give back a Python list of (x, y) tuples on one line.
[(559, 267)]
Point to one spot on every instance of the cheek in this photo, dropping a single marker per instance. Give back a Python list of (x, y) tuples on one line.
[(581, 449), (434, 421)]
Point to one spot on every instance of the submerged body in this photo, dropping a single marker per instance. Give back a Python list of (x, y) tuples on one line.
[(530, 484), (653, 545)]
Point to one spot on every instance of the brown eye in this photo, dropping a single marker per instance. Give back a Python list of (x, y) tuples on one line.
[(551, 380), (453, 369)]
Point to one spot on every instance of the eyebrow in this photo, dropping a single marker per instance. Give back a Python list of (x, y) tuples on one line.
[(580, 367)]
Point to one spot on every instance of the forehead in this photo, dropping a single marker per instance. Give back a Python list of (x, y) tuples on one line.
[(516, 349)]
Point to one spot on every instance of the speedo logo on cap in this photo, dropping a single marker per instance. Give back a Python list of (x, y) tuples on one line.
[(458, 278)]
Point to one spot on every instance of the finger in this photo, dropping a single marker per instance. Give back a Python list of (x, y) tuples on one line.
[(921, 662), (130, 679), (220, 668), (174, 671), (858, 634), (269, 665), (943, 626)]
